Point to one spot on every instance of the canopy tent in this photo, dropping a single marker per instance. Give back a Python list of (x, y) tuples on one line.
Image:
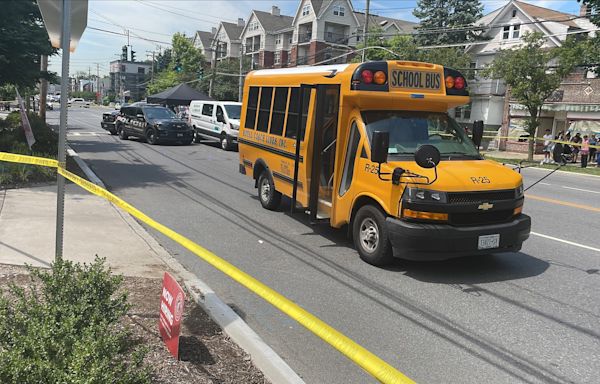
[(181, 94)]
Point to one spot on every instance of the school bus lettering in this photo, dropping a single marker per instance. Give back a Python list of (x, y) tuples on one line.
[(415, 79), (305, 134)]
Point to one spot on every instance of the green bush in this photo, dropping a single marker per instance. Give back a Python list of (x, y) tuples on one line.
[(12, 134), (64, 328)]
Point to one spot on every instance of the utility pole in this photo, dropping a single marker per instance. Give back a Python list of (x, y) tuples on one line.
[(365, 31), (43, 87), (98, 83), (152, 72), (241, 82), (214, 70)]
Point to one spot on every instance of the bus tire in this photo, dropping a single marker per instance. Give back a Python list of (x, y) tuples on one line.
[(268, 196), (370, 236)]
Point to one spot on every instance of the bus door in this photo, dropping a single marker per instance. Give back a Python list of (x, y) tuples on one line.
[(323, 140)]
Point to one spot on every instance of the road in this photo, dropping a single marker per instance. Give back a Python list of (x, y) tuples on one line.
[(529, 317)]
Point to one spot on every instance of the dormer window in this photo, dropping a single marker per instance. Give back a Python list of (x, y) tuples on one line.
[(306, 10), (514, 13), (511, 32), (506, 33), (338, 10), (516, 31)]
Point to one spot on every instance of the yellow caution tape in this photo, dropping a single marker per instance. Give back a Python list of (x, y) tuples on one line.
[(371, 363), (527, 138)]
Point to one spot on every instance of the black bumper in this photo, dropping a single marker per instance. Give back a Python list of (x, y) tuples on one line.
[(175, 136), (419, 241), (109, 126)]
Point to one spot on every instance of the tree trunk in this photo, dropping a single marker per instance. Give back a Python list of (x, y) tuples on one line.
[(532, 130), (43, 87)]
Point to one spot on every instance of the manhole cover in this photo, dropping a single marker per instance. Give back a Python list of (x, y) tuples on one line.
[(588, 91)]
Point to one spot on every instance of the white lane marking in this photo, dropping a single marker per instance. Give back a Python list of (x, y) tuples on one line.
[(579, 189), (540, 183), (566, 242)]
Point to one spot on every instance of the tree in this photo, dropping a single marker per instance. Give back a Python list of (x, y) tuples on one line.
[(531, 77), (225, 87), (438, 17), (24, 40), (593, 9), (182, 63)]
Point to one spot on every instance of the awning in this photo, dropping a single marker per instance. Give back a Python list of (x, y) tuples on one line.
[(560, 107), (585, 127)]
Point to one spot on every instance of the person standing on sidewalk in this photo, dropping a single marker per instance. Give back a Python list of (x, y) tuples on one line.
[(547, 147), (585, 151), (593, 141), (577, 147)]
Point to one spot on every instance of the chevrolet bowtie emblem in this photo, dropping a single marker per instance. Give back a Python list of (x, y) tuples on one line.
[(485, 206)]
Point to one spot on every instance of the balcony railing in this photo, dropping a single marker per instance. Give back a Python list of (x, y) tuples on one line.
[(302, 60), (336, 38), (304, 37)]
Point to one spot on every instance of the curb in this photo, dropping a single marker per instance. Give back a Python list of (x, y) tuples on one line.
[(275, 369), (84, 167), (550, 170)]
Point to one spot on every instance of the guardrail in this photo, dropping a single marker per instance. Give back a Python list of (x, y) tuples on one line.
[(368, 361)]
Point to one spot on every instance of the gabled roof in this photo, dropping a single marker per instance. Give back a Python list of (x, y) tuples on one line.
[(540, 13), (232, 30), (205, 38), (376, 20), (271, 23)]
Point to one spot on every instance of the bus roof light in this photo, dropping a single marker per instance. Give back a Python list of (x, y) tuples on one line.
[(450, 82), (379, 77), (459, 83), (367, 76)]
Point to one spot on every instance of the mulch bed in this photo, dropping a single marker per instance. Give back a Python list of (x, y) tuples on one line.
[(207, 355)]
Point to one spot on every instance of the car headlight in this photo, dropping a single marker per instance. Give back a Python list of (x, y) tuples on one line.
[(417, 195), (519, 192), (159, 126)]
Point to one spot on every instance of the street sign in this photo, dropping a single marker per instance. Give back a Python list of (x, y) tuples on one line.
[(172, 300), (25, 121), (52, 15)]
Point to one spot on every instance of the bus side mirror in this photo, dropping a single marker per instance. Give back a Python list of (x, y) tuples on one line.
[(427, 156), (379, 147), (477, 132)]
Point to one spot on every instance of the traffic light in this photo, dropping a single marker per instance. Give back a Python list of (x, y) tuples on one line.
[(132, 55), (124, 53)]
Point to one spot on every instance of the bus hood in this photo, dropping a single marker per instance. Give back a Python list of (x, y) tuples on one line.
[(464, 175)]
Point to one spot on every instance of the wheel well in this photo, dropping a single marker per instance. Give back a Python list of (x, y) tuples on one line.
[(259, 167), (359, 203)]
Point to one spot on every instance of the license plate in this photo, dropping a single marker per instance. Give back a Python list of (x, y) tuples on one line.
[(489, 241), (180, 135)]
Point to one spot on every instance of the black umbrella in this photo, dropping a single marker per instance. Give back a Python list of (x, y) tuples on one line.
[(181, 94)]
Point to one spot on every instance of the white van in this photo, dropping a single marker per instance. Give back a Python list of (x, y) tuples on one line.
[(216, 120)]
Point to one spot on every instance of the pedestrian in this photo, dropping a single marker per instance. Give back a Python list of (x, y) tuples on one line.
[(547, 147), (576, 140), (585, 151), (593, 141)]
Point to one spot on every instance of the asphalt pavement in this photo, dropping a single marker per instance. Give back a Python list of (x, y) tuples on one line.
[(528, 317)]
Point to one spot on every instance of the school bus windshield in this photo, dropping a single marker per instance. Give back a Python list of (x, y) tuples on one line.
[(409, 129)]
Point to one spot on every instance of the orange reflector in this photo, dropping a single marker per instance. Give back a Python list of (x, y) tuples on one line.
[(517, 211), (449, 82), (379, 77), (424, 215)]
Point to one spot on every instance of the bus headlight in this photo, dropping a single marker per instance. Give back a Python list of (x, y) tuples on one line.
[(519, 192), (417, 195)]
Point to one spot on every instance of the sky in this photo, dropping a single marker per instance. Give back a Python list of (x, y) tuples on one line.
[(159, 19)]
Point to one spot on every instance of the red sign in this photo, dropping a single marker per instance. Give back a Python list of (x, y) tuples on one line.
[(172, 299)]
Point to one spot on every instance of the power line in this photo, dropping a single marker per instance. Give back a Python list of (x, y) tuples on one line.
[(124, 34), (219, 19), (175, 13)]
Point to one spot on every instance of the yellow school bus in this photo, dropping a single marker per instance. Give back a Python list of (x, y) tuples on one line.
[(371, 146)]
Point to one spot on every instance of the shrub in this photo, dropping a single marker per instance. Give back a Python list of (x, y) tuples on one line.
[(12, 134), (64, 328)]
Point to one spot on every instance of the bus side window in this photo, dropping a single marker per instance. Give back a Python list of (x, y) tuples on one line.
[(251, 110), (264, 112), (350, 159), (279, 106), (291, 126)]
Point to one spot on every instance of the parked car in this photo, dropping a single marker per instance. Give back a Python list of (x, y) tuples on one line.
[(153, 123), (109, 121), (78, 101), (216, 120)]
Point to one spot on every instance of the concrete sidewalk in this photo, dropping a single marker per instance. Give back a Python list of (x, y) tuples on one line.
[(92, 227)]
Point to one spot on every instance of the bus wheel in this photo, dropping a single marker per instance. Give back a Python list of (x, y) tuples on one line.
[(268, 196), (371, 237)]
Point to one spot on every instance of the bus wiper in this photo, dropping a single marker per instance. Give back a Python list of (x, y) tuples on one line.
[(461, 154)]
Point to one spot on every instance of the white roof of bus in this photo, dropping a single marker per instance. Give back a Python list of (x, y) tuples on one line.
[(301, 70)]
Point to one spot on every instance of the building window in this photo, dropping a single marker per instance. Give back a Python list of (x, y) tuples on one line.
[(278, 40), (467, 111), (516, 31), (514, 13), (457, 113), (141, 70), (338, 10), (290, 38), (506, 33), (289, 57), (278, 57), (306, 10)]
